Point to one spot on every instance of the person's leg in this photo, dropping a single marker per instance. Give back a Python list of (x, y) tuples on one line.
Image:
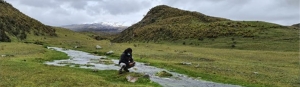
[(123, 66), (127, 67)]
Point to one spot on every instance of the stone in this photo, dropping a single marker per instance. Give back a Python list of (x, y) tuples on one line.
[(98, 47), (255, 72), (109, 52), (95, 70), (131, 78), (186, 63), (146, 76), (147, 64), (197, 66), (103, 57)]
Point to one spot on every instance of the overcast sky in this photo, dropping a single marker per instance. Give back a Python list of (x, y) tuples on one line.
[(128, 12)]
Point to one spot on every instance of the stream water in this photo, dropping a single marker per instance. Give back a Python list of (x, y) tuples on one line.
[(85, 60)]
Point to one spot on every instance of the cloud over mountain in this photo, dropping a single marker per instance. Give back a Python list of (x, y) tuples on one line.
[(127, 12)]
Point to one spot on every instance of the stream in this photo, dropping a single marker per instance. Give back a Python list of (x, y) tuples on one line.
[(86, 60)]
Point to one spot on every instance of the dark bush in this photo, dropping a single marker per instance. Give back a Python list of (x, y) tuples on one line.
[(233, 46), (38, 42)]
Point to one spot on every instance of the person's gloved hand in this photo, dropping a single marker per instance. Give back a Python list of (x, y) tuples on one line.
[(132, 64)]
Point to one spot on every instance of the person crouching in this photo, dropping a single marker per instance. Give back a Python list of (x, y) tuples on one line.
[(126, 60)]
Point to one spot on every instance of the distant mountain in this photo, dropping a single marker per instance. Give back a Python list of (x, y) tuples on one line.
[(15, 24), (165, 23), (296, 25), (96, 27)]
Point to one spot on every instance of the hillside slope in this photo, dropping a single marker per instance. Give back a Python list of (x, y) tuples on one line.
[(296, 25), (164, 23), (15, 24)]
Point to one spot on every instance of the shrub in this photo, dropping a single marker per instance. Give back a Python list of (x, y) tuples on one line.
[(38, 42)]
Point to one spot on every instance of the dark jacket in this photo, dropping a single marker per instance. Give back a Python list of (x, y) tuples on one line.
[(125, 58)]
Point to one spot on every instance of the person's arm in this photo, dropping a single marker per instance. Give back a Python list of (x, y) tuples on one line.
[(130, 58), (132, 63)]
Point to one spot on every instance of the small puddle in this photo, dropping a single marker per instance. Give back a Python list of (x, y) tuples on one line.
[(85, 60)]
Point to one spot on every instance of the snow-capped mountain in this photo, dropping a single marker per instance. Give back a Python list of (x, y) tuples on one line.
[(96, 27)]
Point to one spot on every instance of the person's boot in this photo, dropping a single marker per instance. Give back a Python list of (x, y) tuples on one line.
[(126, 69)]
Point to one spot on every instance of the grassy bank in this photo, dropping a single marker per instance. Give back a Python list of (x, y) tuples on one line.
[(250, 68), (23, 66)]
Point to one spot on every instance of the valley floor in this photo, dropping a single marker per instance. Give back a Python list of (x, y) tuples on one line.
[(239, 67)]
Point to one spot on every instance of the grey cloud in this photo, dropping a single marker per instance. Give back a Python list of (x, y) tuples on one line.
[(79, 4), (62, 12), (76, 4), (262, 10), (40, 3), (290, 3), (117, 7)]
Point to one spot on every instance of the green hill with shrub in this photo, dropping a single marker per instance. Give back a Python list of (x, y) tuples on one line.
[(164, 23), (296, 25), (15, 24)]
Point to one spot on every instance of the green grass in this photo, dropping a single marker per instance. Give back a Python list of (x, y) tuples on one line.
[(26, 69), (240, 43), (250, 68), (248, 64), (20, 73)]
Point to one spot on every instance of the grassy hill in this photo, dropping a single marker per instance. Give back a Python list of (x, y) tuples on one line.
[(296, 25), (167, 24), (164, 23), (16, 25)]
